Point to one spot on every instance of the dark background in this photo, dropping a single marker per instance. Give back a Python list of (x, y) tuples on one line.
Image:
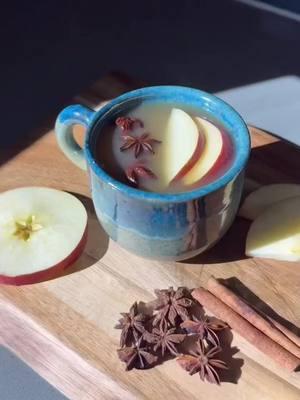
[(52, 50), (289, 5)]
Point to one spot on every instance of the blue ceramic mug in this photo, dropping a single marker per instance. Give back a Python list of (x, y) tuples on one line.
[(153, 225)]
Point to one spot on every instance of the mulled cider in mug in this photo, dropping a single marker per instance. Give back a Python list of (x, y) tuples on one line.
[(164, 148), (166, 168)]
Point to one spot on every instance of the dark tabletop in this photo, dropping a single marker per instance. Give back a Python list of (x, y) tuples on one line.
[(51, 50)]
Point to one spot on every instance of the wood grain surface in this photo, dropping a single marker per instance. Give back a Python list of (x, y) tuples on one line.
[(64, 328)]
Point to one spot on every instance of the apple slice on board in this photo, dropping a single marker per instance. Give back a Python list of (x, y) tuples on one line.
[(262, 198), (276, 232), (43, 231), (211, 152)]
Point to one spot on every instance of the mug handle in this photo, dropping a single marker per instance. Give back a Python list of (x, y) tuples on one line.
[(69, 116)]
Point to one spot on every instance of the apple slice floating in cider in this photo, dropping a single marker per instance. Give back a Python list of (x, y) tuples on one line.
[(192, 161), (181, 141), (179, 137), (276, 232), (210, 154), (42, 232)]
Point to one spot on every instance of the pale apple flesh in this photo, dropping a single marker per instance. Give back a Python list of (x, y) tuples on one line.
[(261, 199), (276, 232), (43, 230), (210, 154), (181, 139), (47, 274), (180, 142), (195, 157)]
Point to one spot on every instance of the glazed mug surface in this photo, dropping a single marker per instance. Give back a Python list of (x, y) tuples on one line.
[(153, 225)]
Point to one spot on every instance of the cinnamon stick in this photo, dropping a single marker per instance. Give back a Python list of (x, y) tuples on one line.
[(262, 342), (287, 332), (247, 312), (291, 335)]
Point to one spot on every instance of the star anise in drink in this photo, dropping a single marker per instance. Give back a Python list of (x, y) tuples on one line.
[(164, 339), (137, 356), (206, 328), (139, 144), (127, 123), (171, 304), (203, 362), (139, 171), (132, 325)]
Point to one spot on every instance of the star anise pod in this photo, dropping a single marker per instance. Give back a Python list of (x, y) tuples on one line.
[(164, 339), (170, 305), (137, 357), (127, 123), (139, 144), (203, 362), (206, 328), (132, 325), (139, 171)]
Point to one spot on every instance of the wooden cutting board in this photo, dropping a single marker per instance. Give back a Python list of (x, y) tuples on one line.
[(64, 328)]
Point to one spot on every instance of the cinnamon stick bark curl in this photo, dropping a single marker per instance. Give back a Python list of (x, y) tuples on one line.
[(247, 312), (246, 330)]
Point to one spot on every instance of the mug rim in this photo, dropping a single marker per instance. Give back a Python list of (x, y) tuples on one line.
[(240, 159)]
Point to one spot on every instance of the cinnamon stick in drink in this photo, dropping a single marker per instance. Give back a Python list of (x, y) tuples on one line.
[(252, 316), (244, 328)]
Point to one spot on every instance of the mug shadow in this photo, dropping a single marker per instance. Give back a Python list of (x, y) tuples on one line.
[(230, 248), (276, 162), (97, 240), (262, 169)]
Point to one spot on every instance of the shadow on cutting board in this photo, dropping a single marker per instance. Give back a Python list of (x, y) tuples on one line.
[(97, 242), (260, 306), (276, 162), (234, 371), (230, 248)]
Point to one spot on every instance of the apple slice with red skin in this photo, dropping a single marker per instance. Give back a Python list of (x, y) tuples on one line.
[(179, 145), (210, 154), (49, 273), (195, 157), (42, 232), (222, 163)]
